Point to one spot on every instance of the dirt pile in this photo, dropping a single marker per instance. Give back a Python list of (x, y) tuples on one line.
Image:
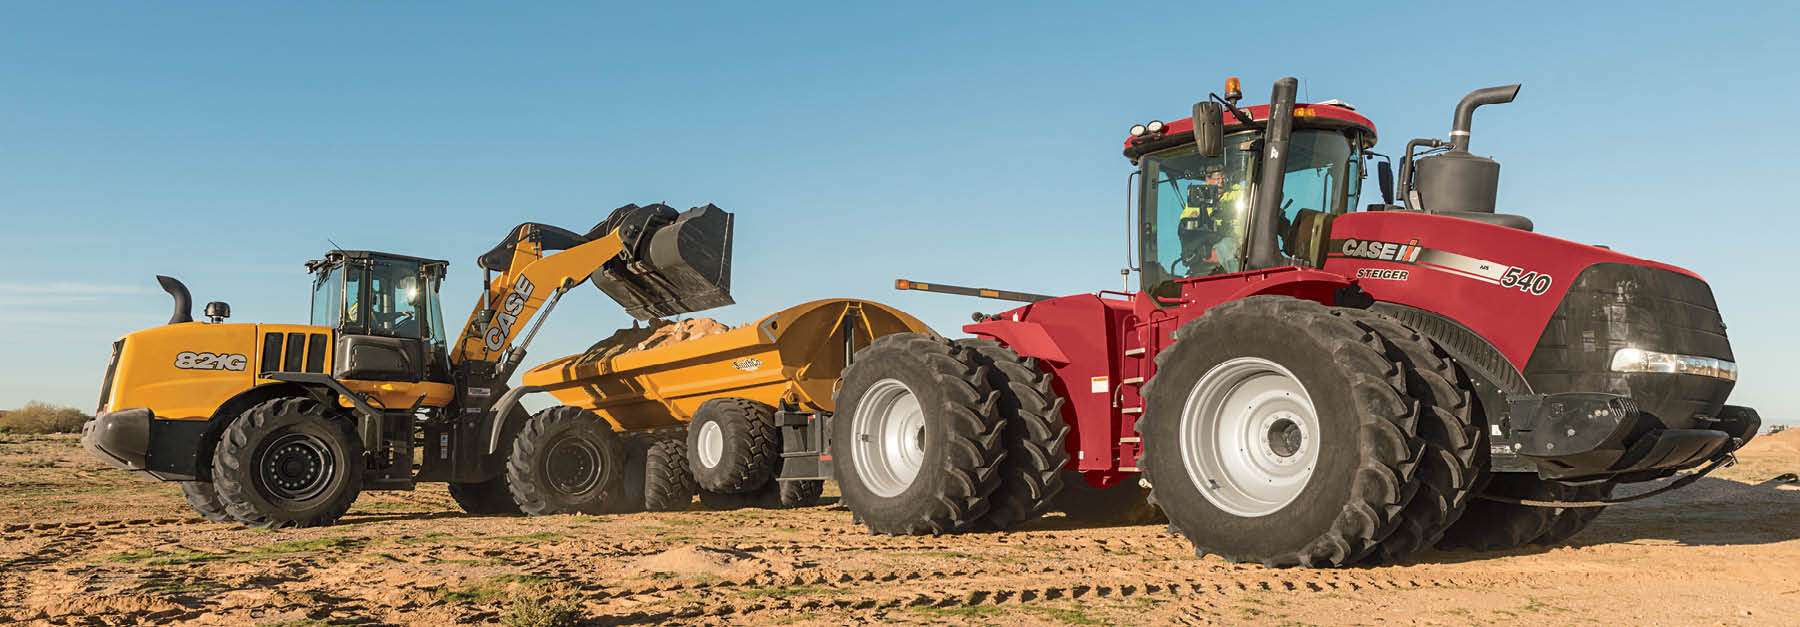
[(706, 561), (659, 333)]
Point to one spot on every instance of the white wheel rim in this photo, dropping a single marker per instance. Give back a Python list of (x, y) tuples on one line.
[(712, 444), (1249, 436), (889, 431)]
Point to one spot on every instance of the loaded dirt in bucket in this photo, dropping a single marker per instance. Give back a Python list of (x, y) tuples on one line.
[(658, 333)]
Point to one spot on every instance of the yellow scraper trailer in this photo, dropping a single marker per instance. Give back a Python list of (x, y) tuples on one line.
[(754, 402)]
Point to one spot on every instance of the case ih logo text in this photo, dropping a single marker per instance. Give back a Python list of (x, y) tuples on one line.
[(501, 327), (190, 360), (1386, 251)]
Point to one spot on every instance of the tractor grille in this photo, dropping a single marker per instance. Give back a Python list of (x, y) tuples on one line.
[(1612, 306), (106, 385), (294, 352)]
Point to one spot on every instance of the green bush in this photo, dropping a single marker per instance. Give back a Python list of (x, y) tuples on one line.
[(37, 417)]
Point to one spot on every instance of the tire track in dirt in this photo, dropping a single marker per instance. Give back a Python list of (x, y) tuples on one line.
[(14, 572), (91, 525)]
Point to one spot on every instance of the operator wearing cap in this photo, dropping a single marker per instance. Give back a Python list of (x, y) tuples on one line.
[(1210, 224)]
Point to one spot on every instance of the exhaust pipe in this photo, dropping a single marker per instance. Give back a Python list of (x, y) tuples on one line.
[(1465, 111), (1264, 249), (184, 303)]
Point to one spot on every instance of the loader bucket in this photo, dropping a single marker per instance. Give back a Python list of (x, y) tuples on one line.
[(672, 263)]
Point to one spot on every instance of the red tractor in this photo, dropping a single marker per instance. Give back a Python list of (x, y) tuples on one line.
[(1300, 384)]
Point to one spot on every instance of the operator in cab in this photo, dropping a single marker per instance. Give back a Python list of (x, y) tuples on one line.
[(1212, 224)]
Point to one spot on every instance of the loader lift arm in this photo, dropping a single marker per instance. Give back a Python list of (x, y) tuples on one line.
[(650, 259)]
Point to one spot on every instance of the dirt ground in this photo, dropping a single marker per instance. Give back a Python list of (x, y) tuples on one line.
[(84, 544)]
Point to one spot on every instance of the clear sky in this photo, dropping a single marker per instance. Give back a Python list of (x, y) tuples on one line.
[(967, 143)]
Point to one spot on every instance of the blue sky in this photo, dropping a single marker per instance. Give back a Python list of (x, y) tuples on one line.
[(224, 143)]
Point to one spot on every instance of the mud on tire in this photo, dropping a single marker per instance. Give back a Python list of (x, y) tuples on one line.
[(917, 440), (485, 498), (287, 463), (733, 445), (1032, 473), (564, 460), (1364, 457)]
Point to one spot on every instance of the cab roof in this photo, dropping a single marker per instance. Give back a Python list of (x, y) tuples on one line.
[(1306, 115)]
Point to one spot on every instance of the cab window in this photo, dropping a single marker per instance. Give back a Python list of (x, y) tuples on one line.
[(397, 306)]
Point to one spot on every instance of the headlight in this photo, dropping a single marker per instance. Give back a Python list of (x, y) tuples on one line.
[(1640, 360)]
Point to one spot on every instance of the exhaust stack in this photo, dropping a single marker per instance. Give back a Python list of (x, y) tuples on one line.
[(184, 303), (1457, 181)]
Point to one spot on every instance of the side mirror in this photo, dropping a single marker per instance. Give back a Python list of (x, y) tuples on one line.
[(218, 311), (1209, 128), (1384, 175)]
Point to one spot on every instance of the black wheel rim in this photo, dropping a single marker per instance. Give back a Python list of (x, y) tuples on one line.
[(296, 467), (572, 465)]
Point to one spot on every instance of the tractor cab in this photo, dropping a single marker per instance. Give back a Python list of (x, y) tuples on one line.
[(385, 310), (1196, 210)]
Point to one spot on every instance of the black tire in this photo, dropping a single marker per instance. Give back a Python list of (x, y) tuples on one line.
[(1127, 503), (801, 493), (1367, 451), (1031, 475), (564, 460), (629, 498), (668, 487), (486, 498), (205, 500), (749, 447), (1453, 431), (287, 463), (959, 444), (1496, 526), (1568, 521)]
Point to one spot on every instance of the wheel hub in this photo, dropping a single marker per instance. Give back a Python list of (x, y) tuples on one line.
[(572, 465), (1248, 436), (712, 444), (296, 467), (889, 431)]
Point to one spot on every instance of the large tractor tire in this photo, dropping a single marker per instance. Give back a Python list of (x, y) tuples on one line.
[(1451, 427), (486, 498), (1031, 474), (204, 499), (667, 485), (1497, 526), (918, 439), (1281, 431), (1127, 503), (287, 463), (564, 460), (1568, 521), (733, 445), (801, 493)]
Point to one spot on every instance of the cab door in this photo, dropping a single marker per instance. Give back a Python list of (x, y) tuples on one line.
[(390, 341)]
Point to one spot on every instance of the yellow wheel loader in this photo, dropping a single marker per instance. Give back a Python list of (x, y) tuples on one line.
[(282, 425)]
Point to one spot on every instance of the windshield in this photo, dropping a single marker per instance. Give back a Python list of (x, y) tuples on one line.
[(1195, 209), (397, 299), (328, 297)]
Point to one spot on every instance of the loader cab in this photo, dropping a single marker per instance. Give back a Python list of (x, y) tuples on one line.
[(386, 312), (1194, 211)]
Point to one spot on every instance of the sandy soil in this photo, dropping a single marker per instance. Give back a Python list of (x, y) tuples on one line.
[(83, 544)]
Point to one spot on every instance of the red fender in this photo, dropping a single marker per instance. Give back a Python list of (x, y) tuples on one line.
[(1028, 339)]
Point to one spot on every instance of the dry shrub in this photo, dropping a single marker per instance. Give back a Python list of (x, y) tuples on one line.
[(38, 417)]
